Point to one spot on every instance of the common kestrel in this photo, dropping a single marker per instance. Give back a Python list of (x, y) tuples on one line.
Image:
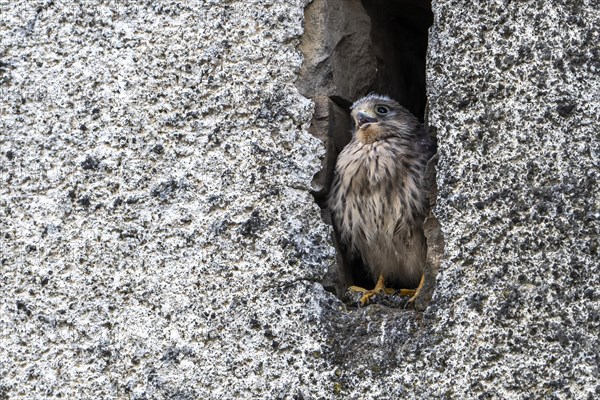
[(379, 197)]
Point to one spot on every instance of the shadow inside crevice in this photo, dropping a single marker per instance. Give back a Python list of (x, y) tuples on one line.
[(399, 33)]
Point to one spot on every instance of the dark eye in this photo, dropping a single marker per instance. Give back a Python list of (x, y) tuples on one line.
[(382, 110)]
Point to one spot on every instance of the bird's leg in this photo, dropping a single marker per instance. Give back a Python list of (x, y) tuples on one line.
[(380, 288), (367, 294), (416, 291)]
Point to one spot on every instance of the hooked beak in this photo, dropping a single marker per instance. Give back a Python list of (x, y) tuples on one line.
[(363, 118)]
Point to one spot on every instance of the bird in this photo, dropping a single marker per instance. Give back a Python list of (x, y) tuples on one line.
[(379, 197)]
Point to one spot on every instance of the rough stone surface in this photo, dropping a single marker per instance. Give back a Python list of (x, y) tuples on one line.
[(158, 238), (515, 96), (339, 63)]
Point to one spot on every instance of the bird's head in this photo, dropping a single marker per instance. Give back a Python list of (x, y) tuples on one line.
[(379, 117)]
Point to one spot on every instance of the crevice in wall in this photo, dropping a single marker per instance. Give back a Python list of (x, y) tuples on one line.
[(399, 31), (352, 48)]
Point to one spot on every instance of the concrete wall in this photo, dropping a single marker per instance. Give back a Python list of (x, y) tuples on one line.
[(158, 238)]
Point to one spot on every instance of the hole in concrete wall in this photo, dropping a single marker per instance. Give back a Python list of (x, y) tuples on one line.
[(352, 48), (399, 36)]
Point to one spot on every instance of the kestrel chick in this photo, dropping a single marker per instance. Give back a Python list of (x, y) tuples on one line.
[(379, 198)]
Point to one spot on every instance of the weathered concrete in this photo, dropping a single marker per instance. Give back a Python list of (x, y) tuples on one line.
[(514, 95), (158, 235), (158, 238)]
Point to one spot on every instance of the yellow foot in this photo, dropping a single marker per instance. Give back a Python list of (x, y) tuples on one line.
[(381, 289), (417, 290), (367, 294)]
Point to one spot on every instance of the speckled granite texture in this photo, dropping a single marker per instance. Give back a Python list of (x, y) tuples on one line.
[(158, 239)]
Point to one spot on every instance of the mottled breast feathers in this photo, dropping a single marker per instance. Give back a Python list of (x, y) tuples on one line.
[(379, 199)]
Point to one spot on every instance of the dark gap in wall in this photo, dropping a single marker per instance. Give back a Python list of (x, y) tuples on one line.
[(353, 48), (343, 103), (399, 32)]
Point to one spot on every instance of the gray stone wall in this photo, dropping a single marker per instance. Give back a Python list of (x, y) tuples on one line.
[(158, 235), (158, 238), (515, 96)]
